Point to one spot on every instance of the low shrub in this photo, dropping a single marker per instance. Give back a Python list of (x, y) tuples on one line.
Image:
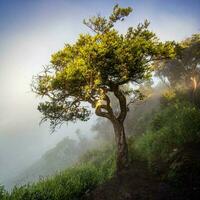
[(173, 128)]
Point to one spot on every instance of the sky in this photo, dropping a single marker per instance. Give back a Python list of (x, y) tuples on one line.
[(30, 31)]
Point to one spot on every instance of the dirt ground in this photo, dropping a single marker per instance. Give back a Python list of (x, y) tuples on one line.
[(136, 184)]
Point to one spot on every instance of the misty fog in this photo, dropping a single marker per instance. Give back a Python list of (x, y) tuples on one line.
[(29, 36), (23, 141)]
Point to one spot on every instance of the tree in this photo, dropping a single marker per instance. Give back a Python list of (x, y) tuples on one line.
[(95, 66), (184, 69)]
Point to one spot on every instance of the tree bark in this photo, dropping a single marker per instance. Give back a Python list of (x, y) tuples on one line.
[(118, 125), (122, 148)]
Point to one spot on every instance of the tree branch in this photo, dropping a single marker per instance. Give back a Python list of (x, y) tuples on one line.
[(122, 102), (109, 111), (99, 112)]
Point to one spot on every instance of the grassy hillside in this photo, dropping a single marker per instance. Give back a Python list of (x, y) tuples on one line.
[(65, 154), (170, 147), (71, 183)]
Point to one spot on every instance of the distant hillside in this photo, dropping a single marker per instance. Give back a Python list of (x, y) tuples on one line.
[(62, 156)]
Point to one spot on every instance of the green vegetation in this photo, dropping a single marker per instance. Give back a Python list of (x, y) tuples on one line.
[(95, 167), (169, 146), (172, 128), (64, 155), (97, 66), (95, 69)]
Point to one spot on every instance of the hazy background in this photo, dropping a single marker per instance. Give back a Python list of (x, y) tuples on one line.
[(30, 31)]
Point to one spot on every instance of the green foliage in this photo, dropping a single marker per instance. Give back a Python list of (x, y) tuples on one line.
[(185, 65), (184, 165), (174, 127), (3, 193), (100, 24), (102, 159), (94, 168), (97, 64), (64, 155), (70, 184), (170, 146)]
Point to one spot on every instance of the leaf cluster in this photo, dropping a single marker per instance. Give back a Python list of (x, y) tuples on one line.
[(84, 72)]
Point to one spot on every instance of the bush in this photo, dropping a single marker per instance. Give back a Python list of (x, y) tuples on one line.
[(171, 129), (3, 193)]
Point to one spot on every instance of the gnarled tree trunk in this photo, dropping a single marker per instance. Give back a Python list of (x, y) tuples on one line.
[(118, 125), (122, 148)]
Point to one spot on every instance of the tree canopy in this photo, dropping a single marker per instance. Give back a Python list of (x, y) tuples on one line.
[(96, 64), (184, 69)]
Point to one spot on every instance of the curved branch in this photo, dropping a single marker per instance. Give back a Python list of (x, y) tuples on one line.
[(109, 111), (99, 112), (122, 102)]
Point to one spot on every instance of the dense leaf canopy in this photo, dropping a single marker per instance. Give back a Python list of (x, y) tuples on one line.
[(96, 64)]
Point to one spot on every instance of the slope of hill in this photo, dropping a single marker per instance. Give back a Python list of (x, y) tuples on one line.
[(65, 154), (165, 165)]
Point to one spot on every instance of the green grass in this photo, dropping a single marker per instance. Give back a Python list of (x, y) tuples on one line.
[(95, 167), (173, 127)]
